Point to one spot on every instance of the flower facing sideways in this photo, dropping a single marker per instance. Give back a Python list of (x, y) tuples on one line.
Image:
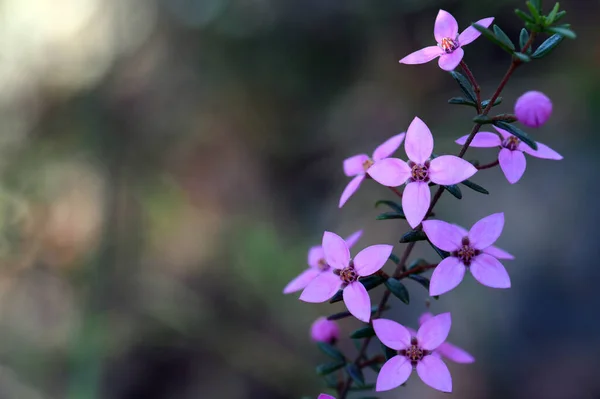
[(466, 252), (449, 42), (323, 330), (414, 351), (419, 171), (346, 274)]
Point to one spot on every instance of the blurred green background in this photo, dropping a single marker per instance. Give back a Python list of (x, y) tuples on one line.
[(166, 165)]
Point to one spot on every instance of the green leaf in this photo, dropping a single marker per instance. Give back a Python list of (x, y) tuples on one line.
[(475, 187), (412, 236), (535, 11), (559, 16), (331, 351), (416, 263), (503, 37), (462, 101), (524, 16), (393, 205), (328, 368), (485, 103), (342, 315), (398, 289), (465, 86), (552, 16), (522, 57), (364, 332), (371, 281), (454, 190), (482, 119), (521, 135), (390, 215), (443, 254), (523, 38), (549, 44), (394, 258), (566, 32), (492, 37), (388, 352), (356, 374), (424, 281), (537, 4)]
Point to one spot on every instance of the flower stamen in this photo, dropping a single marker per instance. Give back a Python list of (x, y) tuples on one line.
[(419, 172), (466, 253), (511, 143), (367, 164), (449, 45)]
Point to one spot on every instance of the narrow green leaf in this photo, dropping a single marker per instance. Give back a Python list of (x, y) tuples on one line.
[(398, 289), (524, 16), (343, 315), (535, 13), (390, 215), (464, 84), (503, 37), (394, 258), (552, 16), (443, 254), (522, 57), (488, 34), (413, 236), (521, 135), (328, 368), (566, 32), (424, 281), (549, 44), (485, 103), (537, 4), (523, 38), (337, 297), (388, 352), (454, 190), (417, 262), (393, 205), (559, 16), (475, 187), (462, 101), (482, 119), (371, 281), (364, 332), (331, 351), (356, 374)]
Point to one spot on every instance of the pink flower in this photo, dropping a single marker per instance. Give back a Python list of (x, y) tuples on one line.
[(446, 349), (346, 274), (466, 251), (533, 109), (419, 171), (359, 165), (317, 264), (449, 42), (323, 330), (511, 157), (414, 351), (325, 396)]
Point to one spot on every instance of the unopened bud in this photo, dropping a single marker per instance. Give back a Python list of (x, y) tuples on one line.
[(533, 109)]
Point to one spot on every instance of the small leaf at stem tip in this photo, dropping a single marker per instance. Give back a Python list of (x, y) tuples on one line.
[(522, 57), (547, 46), (566, 32), (443, 254), (462, 101), (535, 13), (475, 187), (394, 258), (482, 119), (518, 133), (390, 215), (454, 190), (524, 16), (398, 289), (465, 85), (328, 368), (552, 16), (393, 205), (424, 281), (364, 332), (331, 351), (523, 39), (537, 4), (416, 263), (492, 37), (503, 37), (559, 16), (412, 236), (485, 103), (356, 374)]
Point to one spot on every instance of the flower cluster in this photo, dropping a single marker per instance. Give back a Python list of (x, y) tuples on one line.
[(334, 274)]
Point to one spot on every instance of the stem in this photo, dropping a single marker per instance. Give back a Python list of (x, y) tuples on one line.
[(488, 165), (474, 83), (396, 191)]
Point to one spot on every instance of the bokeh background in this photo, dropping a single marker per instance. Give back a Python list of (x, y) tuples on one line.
[(165, 166)]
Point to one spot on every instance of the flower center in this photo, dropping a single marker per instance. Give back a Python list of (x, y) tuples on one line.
[(322, 265), (466, 253), (511, 143), (367, 164), (449, 45), (419, 172), (414, 353), (348, 275)]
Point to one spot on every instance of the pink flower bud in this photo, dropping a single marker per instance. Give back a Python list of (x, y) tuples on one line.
[(533, 109), (323, 330)]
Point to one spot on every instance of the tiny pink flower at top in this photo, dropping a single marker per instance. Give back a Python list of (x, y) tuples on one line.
[(533, 109), (359, 165), (466, 252), (346, 274), (419, 171), (449, 42), (317, 265), (414, 351), (325, 396), (511, 158), (446, 349), (323, 330)]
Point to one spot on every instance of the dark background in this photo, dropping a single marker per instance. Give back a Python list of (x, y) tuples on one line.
[(166, 165)]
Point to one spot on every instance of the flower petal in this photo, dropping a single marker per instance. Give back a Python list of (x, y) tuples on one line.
[(498, 253), (394, 373), (449, 169), (354, 165), (489, 271), (445, 26), (502, 132), (391, 172), (448, 62), (454, 353), (434, 331), (422, 56), (513, 164), (315, 254), (353, 238), (321, 288), (435, 373), (388, 147), (392, 334), (486, 231), (351, 189), (446, 276), (470, 34), (357, 301), (443, 235), (543, 151), (419, 141), (301, 281), (482, 140), (415, 202), (325, 396), (336, 250), (424, 317), (371, 259)]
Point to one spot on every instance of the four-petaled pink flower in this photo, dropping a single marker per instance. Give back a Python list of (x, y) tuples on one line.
[(346, 274), (449, 42), (359, 165), (446, 349), (414, 351), (419, 171), (511, 158), (466, 251), (317, 265)]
